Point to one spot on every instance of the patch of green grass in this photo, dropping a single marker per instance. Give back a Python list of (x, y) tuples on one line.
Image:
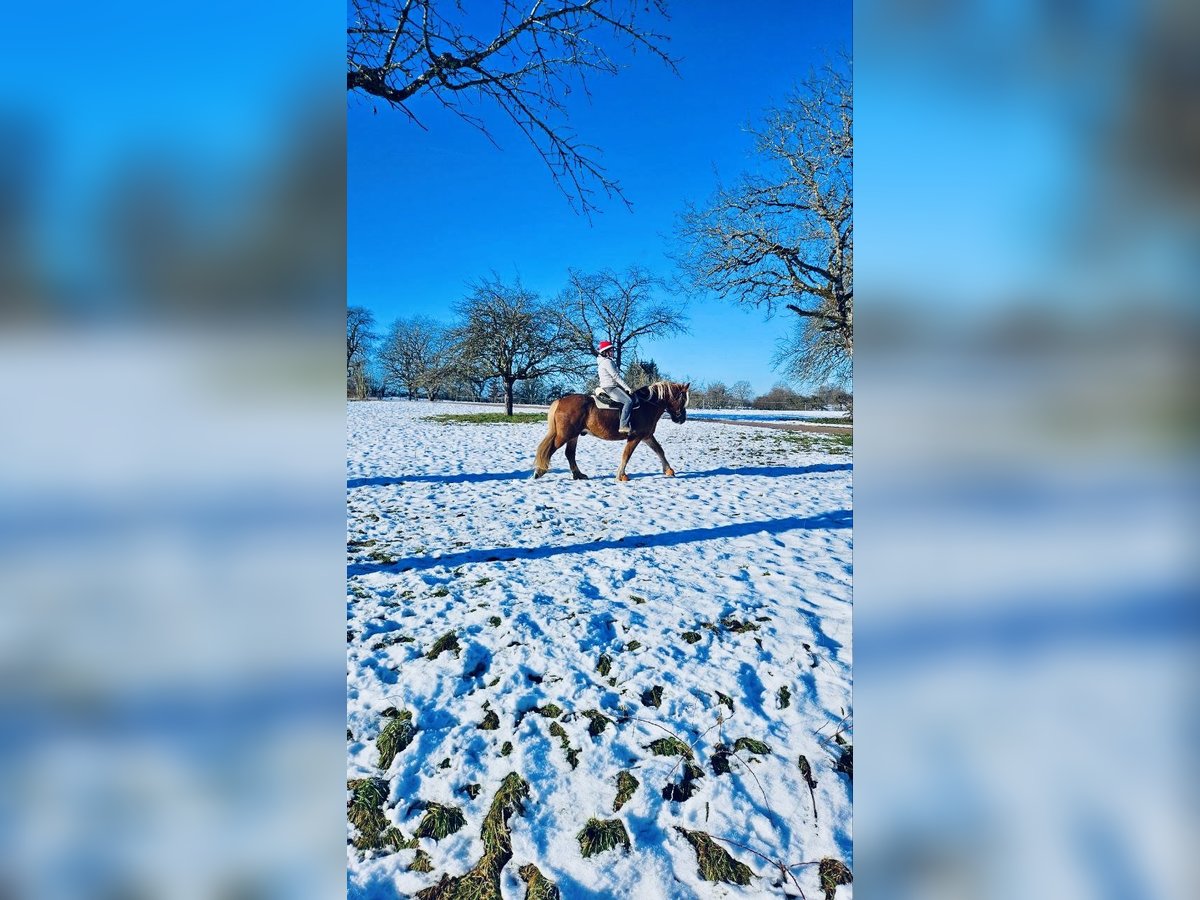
[(358, 545), (396, 735), (714, 861), (601, 835), (833, 872), (561, 733), (445, 763), (441, 592), (482, 581), (491, 721), (471, 790), (597, 722), (494, 621), (506, 748), (732, 624), (448, 641), (364, 811), (632, 645), (636, 599), (725, 700), (539, 887), (550, 711), (670, 746), (750, 745), (517, 418), (691, 637), (653, 697), (604, 664), (383, 557), (439, 821), (784, 697), (627, 785), (422, 862), (391, 640), (845, 762), (720, 760)]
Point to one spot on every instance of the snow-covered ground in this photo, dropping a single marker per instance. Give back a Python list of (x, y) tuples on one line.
[(728, 587)]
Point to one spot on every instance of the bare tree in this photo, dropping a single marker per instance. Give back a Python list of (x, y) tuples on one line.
[(622, 307), (784, 236), (509, 333), (741, 393), (360, 338), (524, 58), (414, 355)]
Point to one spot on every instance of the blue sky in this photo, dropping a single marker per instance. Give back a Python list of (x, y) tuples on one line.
[(430, 211)]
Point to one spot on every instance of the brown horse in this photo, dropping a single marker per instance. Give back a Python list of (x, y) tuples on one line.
[(577, 414)]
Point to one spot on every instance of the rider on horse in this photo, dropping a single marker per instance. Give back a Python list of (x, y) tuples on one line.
[(613, 385)]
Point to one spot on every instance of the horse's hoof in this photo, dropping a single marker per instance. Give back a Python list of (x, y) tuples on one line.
[(579, 476), (622, 478), (538, 473), (670, 473)]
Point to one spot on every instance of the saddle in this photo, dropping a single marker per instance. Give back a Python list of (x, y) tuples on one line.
[(603, 401)]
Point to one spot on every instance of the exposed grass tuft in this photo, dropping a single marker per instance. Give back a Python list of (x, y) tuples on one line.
[(732, 624), (752, 746), (653, 697), (833, 873), (784, 697), (670, 746), (626, 786), (439, 821), (725, 700), (496, 418), (686, 786), (506, 748), (600, 835), (632, 645), (597, 722), (720, 760), (448, 641), (494, 621), (845, 762), (422, 862), (714, 861), (397, 734), (636, 599), (364, 811), (490, 722), (604, 664), (471, 790), (561, 733), (692, 637), (539, 886), (550, 711)]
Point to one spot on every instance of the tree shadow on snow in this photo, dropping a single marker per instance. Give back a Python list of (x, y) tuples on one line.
[(838, 519), (454, 478), (771, 471)]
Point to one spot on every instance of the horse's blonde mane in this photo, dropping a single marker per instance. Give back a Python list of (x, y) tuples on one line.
[(666, 390)]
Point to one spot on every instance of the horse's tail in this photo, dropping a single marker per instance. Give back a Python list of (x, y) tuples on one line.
[(541, 463)]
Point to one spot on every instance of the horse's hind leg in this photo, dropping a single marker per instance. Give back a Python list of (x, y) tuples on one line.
[(657, 448), (575, 473)]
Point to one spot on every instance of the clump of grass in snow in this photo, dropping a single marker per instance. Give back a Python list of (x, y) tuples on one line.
[(600, 835), (636, 599), (604, 664), (752, 746), (784, 697), (833, 873), (490, 722), (845, 762), (439, 821), (632, 645), (686, 786), (448, 641), (626, 786), (720, 760), (550, 711), (732, 624), (422, 862), (441, 592), (506, 748), (714, 861), (806, 773), (390, 640), (471, 790), (725, 700), (483, 881), (670, 746), (597, 722), (397, 734), (494, 621), (445, 763), (364, 810), (561, 733), (496, 418), (653, 697), (691, 637), (539, 886)]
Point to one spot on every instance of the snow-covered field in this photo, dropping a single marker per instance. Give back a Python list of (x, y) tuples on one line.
[(564, 610)]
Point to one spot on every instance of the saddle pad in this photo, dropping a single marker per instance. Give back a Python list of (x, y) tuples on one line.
[(604, 401)]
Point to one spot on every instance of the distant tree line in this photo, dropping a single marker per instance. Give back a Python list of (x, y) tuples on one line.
[(739, 395)]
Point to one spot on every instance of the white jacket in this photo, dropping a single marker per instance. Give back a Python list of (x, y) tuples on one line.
[(609, 377)]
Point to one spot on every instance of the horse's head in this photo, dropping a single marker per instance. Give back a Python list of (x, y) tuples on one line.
[(675, 397)]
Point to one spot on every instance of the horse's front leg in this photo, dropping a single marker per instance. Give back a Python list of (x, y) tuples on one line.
[(657, 448), (575, 473), (630, 446)]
